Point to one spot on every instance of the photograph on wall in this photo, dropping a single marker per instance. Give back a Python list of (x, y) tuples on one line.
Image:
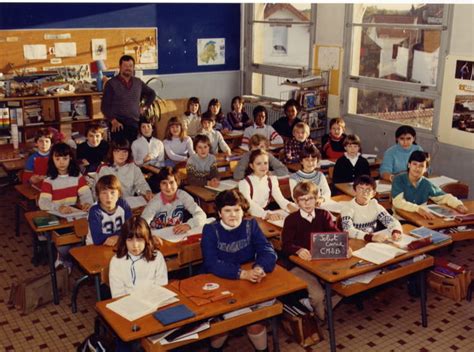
[(99, 49), (211, 51), (464, 70), (463, 114)]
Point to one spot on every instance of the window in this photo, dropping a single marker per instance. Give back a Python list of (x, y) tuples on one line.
[(393, 56), (278, 46)]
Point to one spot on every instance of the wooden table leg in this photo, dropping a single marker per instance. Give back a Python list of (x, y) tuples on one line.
[(276, 343), (332, 333), (422, 282), (52, 269), (97, 287)]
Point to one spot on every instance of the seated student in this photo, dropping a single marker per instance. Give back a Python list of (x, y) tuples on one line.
[(192, 117), (412, 190), (201, 168), (296, 238), (169, 206), (257, 141), (137, 263), (147, 149), (309, 159), (230, 242), (259, 188), (295, 145), (395, 158), (64, 188), (120, 163), (37, 163), (178, 145), (259, 117), (237, 119), (93, 151), (360, 215), (214, 110), (215, 137), (284, 125), (107, 216), (352, 164), (332, 144)]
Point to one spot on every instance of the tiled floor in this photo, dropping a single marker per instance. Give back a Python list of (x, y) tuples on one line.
[(390, 320)]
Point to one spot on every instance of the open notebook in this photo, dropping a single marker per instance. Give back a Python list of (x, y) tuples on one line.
[(378, 253), (168, 235), (142, 302)]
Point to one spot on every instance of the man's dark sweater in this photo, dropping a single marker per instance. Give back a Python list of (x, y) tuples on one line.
[(123, 103)]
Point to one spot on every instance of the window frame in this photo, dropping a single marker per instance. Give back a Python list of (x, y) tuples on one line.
[(410, 89), (250, 67)]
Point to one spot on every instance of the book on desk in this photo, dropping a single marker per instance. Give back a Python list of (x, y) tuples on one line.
[(46, 221), (378, 253), (436, 237)]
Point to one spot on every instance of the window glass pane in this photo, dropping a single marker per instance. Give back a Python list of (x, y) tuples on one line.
[(272, 87), (396, 54), (406, 110), (401, 13), (282, 44)]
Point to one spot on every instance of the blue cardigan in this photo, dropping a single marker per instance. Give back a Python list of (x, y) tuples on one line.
[(395, 159), (420, 194), (224, 251)]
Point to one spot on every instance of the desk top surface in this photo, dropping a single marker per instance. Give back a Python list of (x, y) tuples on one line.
[(437, 222), (27, 191), (245, 293), (337, 270)]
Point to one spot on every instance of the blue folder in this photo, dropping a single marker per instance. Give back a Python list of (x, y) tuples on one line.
[(173, 314)]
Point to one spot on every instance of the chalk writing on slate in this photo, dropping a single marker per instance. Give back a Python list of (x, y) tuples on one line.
[(329, 245)]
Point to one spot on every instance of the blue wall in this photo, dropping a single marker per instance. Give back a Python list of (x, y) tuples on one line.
[(179, 26)]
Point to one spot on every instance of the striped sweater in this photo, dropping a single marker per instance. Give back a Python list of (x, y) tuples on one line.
[(64, 190)]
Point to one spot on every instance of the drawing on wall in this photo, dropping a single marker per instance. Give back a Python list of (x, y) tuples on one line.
[(145, 51), (463, 114), (99, 49), (211, 51), (464, 70)]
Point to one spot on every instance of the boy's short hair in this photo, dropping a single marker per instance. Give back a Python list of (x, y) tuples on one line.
[(365, 180), (164, 173), (126, 58), (43, 133), (420, 156), (108, 182), (292, 102), (310, 151), (258, 109), (256, 139), (202, 138), (95, 128), (144, 120), (337, 120), (305, 187), (208, 117), (351, 139), (230, 198), (303, 126)]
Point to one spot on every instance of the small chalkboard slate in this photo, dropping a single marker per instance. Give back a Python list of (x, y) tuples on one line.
[(329, 245)]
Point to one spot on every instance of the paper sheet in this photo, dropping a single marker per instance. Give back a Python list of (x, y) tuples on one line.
[(168, 235), (35, 52), (441, 180), (224, 185), (65, 49)]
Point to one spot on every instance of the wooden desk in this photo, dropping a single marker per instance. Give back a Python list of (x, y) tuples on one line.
[(440, 223), (383, 198), (26, 201), (332, 272), (278, 283)]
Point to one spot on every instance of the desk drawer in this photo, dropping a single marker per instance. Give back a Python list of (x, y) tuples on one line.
[(384, 278)]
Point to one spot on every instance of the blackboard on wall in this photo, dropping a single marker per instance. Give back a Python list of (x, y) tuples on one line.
[(179, 27)]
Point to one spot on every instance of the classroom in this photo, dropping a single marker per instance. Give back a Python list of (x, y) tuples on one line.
[(209, 176)]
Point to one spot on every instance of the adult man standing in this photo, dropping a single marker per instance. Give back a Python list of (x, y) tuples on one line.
[(121, 100)]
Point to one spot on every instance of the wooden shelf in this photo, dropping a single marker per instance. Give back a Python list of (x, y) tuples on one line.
[(34, 97)]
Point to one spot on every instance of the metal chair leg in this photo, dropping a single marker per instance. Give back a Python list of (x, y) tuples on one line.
[(75, 291)]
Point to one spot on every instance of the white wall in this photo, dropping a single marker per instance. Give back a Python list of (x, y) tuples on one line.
[(223, 85), (462, 38)]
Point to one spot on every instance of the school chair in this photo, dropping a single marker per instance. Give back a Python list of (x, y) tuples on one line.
[(190, 254), (458, 189)]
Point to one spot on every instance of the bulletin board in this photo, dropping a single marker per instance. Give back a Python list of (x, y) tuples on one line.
[(140, 43)]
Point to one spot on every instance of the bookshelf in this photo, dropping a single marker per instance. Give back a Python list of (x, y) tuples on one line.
[(66, 113)]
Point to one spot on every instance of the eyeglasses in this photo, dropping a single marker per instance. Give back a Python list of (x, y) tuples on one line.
[(364, 190), (307, 199)]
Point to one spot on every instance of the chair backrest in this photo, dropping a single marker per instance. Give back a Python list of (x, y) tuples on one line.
[(81, 228), (457, 189)]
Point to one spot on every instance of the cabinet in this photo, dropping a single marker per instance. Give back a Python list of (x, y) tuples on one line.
[(67, 113), (312, 94)]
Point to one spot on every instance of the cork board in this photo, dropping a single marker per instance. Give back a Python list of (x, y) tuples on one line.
[(141, 43)]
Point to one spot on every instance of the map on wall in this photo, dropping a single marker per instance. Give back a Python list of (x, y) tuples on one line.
[(210, 51)]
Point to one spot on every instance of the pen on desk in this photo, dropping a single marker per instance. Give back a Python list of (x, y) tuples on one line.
[(356, 264)]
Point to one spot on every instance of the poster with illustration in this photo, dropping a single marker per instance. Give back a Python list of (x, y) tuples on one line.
[(144, 50), (463, 114), (464, 70), (211, 51)]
